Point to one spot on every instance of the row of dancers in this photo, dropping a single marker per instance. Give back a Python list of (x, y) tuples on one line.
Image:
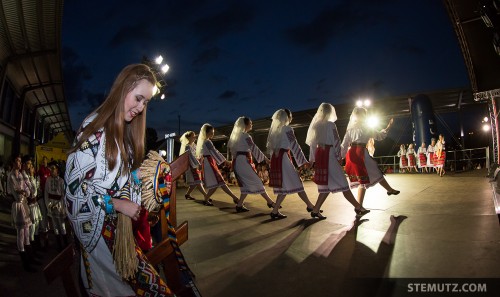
[(425, 158), (326, 153)]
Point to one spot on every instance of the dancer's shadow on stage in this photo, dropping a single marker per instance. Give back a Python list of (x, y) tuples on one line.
[(366, 273)]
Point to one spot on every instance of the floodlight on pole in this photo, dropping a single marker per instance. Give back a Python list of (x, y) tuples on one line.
[(486, 127), (162, 96), (159, 59), (372, 121), (165, 68), (359, 103), (367, 102), (485, 119)]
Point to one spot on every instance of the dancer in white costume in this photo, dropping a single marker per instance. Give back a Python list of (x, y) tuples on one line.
[(284, 178), (422, 158), (193, 174), (323, 139), (242, 149), (431, 150), (212, 176), (412, 158)]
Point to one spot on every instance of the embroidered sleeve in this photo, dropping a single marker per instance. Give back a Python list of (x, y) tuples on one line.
[(83, 197), (256, 152), (297, 153), (380, 135), (219, 158), (346, 143)]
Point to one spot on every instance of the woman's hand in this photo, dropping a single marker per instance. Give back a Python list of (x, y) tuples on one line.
[(390, 123), (128, 208)]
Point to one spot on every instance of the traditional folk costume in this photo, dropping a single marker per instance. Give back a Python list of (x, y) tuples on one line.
[(403, 160), (43, 174), (35, 213), (324, 141), (89, 182), (193, 174), (431, 149), (410, 155), (283, 177), (243, 149), (440, 159), (361, 169), (212, 177), (54, 194), (20, 209), (422, 157)]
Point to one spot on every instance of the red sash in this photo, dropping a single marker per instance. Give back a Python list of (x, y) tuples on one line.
[(215, 169), (355, 164), (321, 156), (196, 174), (276, 170)]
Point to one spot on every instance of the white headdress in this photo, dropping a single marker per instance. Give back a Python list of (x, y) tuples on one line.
[(238, 129), (357, 118), (317, 129), (184, 141), (201, 139), (280, 119)]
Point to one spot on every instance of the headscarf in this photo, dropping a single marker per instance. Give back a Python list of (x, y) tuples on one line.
[(280, 119), (184, 141), (238, 129), (201, 139), (316, 133), (357, 118)]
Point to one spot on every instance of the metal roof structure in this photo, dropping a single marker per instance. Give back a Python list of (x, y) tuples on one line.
[(30, 58), (476, 40)]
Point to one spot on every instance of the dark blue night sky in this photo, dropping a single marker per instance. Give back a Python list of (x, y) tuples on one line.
[(232, 58)]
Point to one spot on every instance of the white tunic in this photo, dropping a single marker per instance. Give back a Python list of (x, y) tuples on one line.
[(337, 181), (251, 182), (291, 182), (209, 178)]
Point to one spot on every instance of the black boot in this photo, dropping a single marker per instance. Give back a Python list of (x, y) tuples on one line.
[(60, 243), (31, 255), (26, 263)]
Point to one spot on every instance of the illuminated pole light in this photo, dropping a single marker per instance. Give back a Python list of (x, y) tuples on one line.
[(485, 119), (162, 96), (359, 103), (372, 121), (159, 59), (486, 127), (367, 102), (165, 68)]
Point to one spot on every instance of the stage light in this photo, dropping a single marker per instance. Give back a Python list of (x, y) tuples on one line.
[(486, 127), (162, 96), (165, 68), (485, 119), (159, 59), (367, 102), (359, 103), (372, 121)]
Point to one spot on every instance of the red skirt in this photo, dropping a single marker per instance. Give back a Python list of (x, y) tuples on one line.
[(404, 161), (441, 159), (215, 169), (412, 160), (432, 160), (355, 164), (423, 159)]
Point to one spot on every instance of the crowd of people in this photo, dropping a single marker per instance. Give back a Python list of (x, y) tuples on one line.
[(35, 196), (426, 159)]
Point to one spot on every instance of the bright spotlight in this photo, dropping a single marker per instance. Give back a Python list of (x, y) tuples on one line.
[(159, 59), (165, 68), (162, 96), (485, 119), (372, 121), (359, 103), (367, 102), (486, 127)]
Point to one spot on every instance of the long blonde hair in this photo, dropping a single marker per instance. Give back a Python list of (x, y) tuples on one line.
[(126, 138), (185, 141)]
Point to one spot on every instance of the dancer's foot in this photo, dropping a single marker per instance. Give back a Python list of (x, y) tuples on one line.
[(317, 215), (208, 203), (361, 212), (278, 215), (189, 197), (271, 205), (393, 192), (241, 208), (309, 209)]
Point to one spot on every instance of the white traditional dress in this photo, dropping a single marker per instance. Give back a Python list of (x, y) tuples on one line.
[(212, 177), (193, 173), (361, 169), (403, 160), (441, 159), (35, 213), (20, 211), (88, 179), (244, 168), (328, 174), (283, 177), (431, 150)]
